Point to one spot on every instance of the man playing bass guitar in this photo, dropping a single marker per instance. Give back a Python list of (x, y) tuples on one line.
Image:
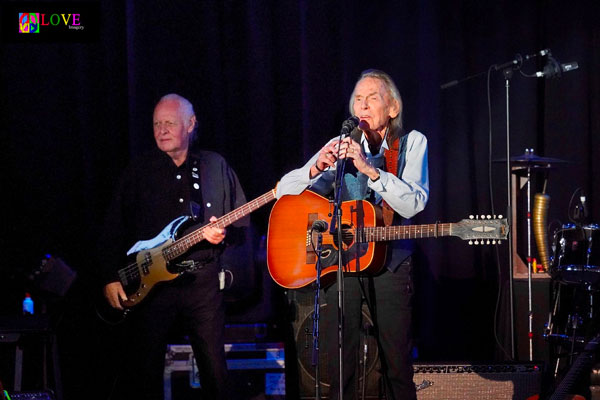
[(174, 180)]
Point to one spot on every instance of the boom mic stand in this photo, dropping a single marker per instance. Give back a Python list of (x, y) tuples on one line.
[(336, 223), (552, 69), (508, 73), (507, 70)]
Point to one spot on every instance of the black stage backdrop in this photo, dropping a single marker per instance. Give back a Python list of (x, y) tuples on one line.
[(270, 83)]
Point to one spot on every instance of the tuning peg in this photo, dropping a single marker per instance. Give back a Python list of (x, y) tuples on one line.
[(476, 242), (470, 242), (500, 216), (471, 216), (488, 241), (489, 216), (494, 241), (482, 216), (499, 241)]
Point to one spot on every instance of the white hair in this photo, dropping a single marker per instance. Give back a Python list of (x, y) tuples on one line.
[(186, 108), (395, 123)]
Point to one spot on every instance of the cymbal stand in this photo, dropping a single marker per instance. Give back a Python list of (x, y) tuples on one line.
[(529, 267)]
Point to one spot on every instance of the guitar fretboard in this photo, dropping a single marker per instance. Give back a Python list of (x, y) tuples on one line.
[(398, 232), (180, 246)]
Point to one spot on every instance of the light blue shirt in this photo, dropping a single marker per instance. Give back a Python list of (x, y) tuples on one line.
[(407, 194)]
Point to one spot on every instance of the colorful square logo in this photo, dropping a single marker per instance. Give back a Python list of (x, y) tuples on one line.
[(29, 23)]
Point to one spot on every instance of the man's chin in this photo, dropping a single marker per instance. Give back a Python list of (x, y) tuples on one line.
[(363, 125)]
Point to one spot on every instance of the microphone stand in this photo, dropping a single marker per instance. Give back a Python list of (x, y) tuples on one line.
[(508, 73), (336, 223), (335, 227), (316, 316)]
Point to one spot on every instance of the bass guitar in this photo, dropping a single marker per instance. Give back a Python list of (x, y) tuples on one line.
[(291, 257), (151, 259)]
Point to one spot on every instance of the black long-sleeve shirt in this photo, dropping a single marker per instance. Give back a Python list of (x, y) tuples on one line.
[(153, 191)]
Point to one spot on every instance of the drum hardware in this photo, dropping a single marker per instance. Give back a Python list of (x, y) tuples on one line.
[(576, 260), (570, 323), (526, 163), (523, 165)]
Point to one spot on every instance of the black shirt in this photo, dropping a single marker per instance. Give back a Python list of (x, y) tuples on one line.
[(153, 191)]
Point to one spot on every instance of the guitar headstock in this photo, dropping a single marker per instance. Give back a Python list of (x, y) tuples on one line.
[(482, 229)]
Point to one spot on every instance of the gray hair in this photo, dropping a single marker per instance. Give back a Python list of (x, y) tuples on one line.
[(186, 107), (395, 123)]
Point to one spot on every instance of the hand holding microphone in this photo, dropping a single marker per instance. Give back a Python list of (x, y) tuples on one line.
[(328, 155)]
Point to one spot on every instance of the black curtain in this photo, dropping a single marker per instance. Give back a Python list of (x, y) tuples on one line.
[(270, 82)]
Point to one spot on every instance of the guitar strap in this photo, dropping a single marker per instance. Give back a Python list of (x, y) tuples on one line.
[(392, 156)]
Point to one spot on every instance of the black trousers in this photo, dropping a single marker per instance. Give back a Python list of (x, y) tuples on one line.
[(390, 295), (195, 299)]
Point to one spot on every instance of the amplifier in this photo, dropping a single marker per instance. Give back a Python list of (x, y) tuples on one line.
[(44, 395), (477, 381)]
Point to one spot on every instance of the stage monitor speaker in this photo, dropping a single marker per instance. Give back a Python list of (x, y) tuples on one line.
[(303, 306), (477, 381)]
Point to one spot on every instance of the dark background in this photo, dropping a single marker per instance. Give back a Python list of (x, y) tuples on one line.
[(270, 82)]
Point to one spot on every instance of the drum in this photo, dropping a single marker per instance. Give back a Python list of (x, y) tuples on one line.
[(577, 255)]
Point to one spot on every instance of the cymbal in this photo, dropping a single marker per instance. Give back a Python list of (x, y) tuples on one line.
[(532, 159)]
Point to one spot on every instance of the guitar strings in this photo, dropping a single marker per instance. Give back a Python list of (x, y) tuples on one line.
[(180, 246)]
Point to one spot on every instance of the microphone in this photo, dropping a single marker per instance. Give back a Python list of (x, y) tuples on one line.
[(515, 63), (540, 53), (319, 226), (518, 60), (553, 69), (348, 126)]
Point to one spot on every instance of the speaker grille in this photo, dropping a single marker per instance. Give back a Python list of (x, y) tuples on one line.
[(304, 340), (302, 303), (485, 381)]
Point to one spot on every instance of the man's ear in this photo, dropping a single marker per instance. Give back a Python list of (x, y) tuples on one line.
[(394, 108), (192, 123)]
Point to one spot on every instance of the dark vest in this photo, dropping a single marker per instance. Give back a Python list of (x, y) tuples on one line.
[(356, 188)]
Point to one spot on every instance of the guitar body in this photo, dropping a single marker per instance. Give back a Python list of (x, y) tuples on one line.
[(148, 268), (291, 259), (148, 265)]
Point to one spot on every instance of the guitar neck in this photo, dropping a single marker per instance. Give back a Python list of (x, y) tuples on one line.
[(399, 232), (182, 245)]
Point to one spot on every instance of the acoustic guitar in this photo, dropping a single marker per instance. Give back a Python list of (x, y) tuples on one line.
[(291, 258)]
